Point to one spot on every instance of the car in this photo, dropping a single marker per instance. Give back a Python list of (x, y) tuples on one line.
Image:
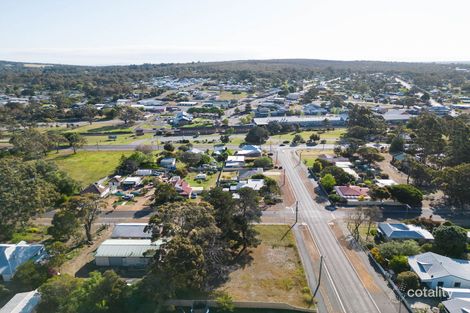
[(128, 197), (330, 207), (193, 196)]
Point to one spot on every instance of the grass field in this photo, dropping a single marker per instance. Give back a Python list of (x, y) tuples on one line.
[(88, 166), (309, 156), (121, 139), (330, 136), (227, 95), (275, 274)]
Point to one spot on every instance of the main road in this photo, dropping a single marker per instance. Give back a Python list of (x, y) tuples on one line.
[(349, 288)]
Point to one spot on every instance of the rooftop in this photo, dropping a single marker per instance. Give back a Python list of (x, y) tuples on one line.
[(430, 266)]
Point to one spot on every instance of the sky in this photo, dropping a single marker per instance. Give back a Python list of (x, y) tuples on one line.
[(103, 32)]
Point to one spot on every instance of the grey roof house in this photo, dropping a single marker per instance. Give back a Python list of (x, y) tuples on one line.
[(126, 252), (458, 305), (131, 231), (400, 231), (436, 270), (13, 255), (24, 302)]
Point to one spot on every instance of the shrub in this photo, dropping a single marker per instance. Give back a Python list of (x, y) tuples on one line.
[(399, 263), (328, 182), (392, 248), (377, 256), (334, 198), (450, 240), (225, 303), (408, 280)]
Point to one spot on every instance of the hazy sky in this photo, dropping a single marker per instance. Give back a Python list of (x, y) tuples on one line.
[(154, 31)]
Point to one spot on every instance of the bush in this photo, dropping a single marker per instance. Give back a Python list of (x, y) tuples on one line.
[(263, 162), (317, 166), (225, 303), (30, 275), (392, 248), (407, 194), (399, 263), (377, 256), (427, 247), (408, 281), (334, 198)]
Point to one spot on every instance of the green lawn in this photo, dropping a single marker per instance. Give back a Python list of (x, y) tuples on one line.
[(330, 136), (309, 156), (120, 140), (106, 127), (227, 95), (88, 166), (207, 184)]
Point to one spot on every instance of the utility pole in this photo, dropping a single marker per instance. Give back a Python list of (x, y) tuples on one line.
[(319, 277), (296, 212), (284, 177), (300, 156)]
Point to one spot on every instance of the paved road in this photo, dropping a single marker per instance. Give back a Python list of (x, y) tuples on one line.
[(350, 291)]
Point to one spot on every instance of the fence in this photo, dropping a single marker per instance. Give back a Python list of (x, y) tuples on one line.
[(245, 305)]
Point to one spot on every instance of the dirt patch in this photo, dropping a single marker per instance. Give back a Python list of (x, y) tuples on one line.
[(366, 278), (275, 273), (85, 254)]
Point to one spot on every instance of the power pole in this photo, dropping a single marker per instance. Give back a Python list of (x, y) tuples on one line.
[(300, 157), (296, 212), (319, 278), (284, 177)]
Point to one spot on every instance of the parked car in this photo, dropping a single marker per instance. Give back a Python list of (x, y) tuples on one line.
[(128, 197)]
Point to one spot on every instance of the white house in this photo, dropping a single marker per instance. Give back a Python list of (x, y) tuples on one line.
[(97, 189), (436, 270), (131, 181), (255, 184), (458, 305), (143, 172), (115, 182), (250, 151), (126, 252)]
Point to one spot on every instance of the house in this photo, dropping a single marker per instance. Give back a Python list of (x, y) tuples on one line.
[(169, 163), (250, 151), (200, 176), (255, 184), (218, 150), (24, 302), (400, 231), (245, 174), (458, 305), (181, 186), (13, 255), (385, 182), (131, 231), (436, 270), (182, 118), (131, 181), (354, 193), (97, 189), (143, 172), (187, 103), (235, 161), (126, 252), (114, 183)]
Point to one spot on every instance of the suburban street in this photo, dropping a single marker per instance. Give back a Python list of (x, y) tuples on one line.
[(346, 283)]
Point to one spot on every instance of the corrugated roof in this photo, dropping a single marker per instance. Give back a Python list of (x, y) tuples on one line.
[(130, 230), (126, 247), (430, 266), (24, 302)]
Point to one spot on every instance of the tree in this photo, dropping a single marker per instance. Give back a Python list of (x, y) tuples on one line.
[(407, 194), (263, 162), (429, 135), (64, 225), (454, 181), (257, 135), (30, 143), (379, 193), (373, 214), (27, 189), (168, 146), (30, 275), (341, 177), (363, 123), (165, 193), (355, 220), (397, 144), (87, 208), (274, 127), (297, 139), (370, 154), (458, 149), (314, 137), (57, 139), (328, 182), (190, 158), (450, 240), (323, 142), (317, 166), (75, 140), (248, 211), (129, 114), (248, 108), (88, 112), (225, 138), (408, 281)]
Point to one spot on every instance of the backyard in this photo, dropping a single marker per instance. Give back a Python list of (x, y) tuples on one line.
[(88, 166)]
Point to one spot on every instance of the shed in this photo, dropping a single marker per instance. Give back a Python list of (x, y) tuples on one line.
[(126, 252)]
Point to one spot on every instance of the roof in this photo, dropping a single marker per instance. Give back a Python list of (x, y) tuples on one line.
[(13, 255), (403, 231), (385, 182), (431, 266), (132, 180), (351, 191), (236, 158), (95, 188), (130, 230), (249, 149), (255, 184), (297, 119), (126, 247), (457, 292), (459, 305), (24, 302)]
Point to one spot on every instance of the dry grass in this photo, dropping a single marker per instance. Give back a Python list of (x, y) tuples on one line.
[(275, 274), (310, 155)]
